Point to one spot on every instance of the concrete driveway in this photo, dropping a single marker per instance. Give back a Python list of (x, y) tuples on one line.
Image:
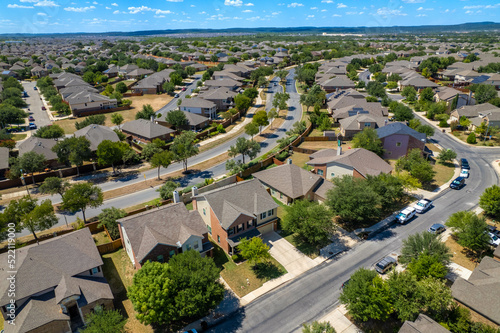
[(294, 261)]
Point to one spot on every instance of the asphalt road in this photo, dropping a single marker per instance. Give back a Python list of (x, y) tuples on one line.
[(35, 105), (314, 293), (172, 105), (294, 114), (364, 76)]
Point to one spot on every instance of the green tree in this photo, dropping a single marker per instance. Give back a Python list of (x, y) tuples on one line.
[(310, 221), (54, 185), (489, 201), (428, 266), (175, 78), (32, 216), (10, 114), (154, 147), (97, 119), (389, 188), (446, 155), (484, 92), (280, 100), (73, 151), (161, 159), (109, 152), (168, 87), (254, 250), (31, 162), (81, 196), (262, 82), (414, 123), (416, 165), (105, 321), (367, 296), (251, 93), (317, 327), (471, 230), (244, 147), (428, 130), (368, 139), (184, 147), (121, 87), (376, 89), (315, 95), (424, 243), (242, 102), (177, 118), (117, 119), (234, 166), (50, 132), (465, 122), (146, 113), (260, 119), (427, 95), (107, 218), (403, 113), (271, 115), (167, 189), (282, 74), (405, 294)]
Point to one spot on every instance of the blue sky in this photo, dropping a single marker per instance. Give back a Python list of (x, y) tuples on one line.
[(46, 16)]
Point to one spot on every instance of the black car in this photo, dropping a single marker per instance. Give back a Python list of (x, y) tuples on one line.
[(465, 164), (458, 183)]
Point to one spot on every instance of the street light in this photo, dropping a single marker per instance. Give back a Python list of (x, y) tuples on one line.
[(25, 184)]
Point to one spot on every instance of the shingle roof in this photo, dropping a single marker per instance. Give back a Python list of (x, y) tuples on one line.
[(97, 134), (4, 158), (399, 128), (352, 123), (167, 225), (222, 83), (196, 102), (229, 202), (422, 324), (481, 292), (146, 128), (193, 118), (39, 146), (474, 110)]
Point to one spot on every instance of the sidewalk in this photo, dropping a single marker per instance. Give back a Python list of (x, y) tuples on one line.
[(339, 321)]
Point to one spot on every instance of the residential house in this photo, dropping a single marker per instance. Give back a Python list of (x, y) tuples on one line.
[(39, 71), (481, 292), (465, 76), (153, 84), (226, 83), (222, 97), (422, 324), (160, 233), (219, 75), (471, 111), (124, 70), (417, 82), (138, 73), (350, 126), (39, 146), (112, 72), (494, 80), (85, 102), (360, 107), (359, 163), (398, 139), (146, 131), (199, 106), (447, 95), (4, 161), (337, 83), (97, 134), (66, 92), (237, 211), (59, 282), (195, 122), (289, 182), (490, 117)]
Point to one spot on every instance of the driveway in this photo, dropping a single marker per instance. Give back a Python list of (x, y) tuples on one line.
[(294, 261)]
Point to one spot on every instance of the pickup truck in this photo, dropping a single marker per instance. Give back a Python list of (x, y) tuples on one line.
[(406, 215), (422, 205)]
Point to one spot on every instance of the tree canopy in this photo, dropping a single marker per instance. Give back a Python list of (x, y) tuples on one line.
[(80, 196), (369, 140), (184, 147), (244, 147), (489, 201)]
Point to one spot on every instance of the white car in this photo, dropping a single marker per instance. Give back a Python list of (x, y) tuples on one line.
[(422, 205), (464, 173), (494, 240), (406, 215)]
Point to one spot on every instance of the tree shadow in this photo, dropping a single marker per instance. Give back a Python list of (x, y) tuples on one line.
[(267, 270)]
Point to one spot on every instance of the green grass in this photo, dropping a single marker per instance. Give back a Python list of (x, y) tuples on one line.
[(101, 238), (19, 137), (444, 172), (189, 206)]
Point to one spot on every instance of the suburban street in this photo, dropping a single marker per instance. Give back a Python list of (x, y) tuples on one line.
[(316, 292), (172, 105), (35, 104), (294, 114), (364, 76)]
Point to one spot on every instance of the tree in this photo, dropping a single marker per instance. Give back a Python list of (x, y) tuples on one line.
[(427, 95), (74, 151), (388, 187), (234, 166), (311, 221), (54, 185), (185, 287), (10, 114), (368, 139), (471, 230), (352, 200), (414, 123), (424, 243), (251, 93), (31, 216), (446, 155), (104, 321), (81, 196), (121, 87), (367, 296), (169, 87), (109, 152), (489, 201), (280, 100), (260, 119), (471, 138), (161, 159), (262, 82), (242, 102), (403, 113), (177, 118), (317, 327), (428, 130), (251, 129), (254, 250), (154, 147), (31, 162), (107, 218), (282, 74), (484, 92), (244, 147), (146, 113), (117, 119), (375, 89), (184, 147), (314, 96), (50, 132), (428, 266), (416, 165), (465, 122), (176, 78), (167, 189), (97, 119), (190, 70)]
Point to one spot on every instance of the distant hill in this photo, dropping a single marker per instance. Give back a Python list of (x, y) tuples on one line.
[(464, 27)]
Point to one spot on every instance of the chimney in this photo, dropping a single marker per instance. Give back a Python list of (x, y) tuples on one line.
[(176, 197), (289, 161), (194, 191), (153, 118)]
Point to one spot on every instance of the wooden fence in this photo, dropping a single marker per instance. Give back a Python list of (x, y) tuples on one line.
[(101, 111), (109, 247), (304, 150)]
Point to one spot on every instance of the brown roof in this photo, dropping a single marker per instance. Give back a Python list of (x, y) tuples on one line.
[(146, 129), (4, 158), (39, 146), (97, 134), (422, 324)]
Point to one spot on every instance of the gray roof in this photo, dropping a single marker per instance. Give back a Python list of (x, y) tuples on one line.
[(399, 128), (481, 292), (195, 102), (217, 94), (422, 324), (222, 83), (352, 123), (167, 225), (339, 81), (97, 134), (40, 267), (139, 72), (229, 202), (470, 111), (289, 179), (4, 158), (146, 128), (39, 146), (364, 161), (193, 118)]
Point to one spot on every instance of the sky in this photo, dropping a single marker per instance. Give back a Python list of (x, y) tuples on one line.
[(60, 16)]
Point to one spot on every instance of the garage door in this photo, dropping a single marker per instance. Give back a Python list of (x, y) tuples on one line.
[(266, 228)]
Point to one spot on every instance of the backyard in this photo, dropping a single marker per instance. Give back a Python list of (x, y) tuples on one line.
[(495, 140)]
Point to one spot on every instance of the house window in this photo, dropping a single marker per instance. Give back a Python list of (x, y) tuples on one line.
[(188, 247), (263, 215), (398, 144), (171, 253), (332, 174), (95, 270), (320, 172), (218, 239), (195, 246), (209, 229), (367, 124), (230, 231), (249, 224), (273, 191), (270, 212), (159, 258), (240, 227), (204, 211), (281, 195)]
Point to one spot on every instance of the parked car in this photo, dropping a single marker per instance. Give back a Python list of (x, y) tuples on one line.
[(406, 215), (385, 264), (31, 118), (183, 88), (345, 284), (422, 205), (35, 88), (464, 173), (176, 95), (436, 228), (458, 183), (494, 230), (494, 240), (44, 108), (32, 126), (464, 163)]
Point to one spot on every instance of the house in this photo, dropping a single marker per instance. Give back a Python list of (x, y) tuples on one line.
[(138, 73), (337, 83), (471, 111), (481, 292), (195, 122), (84, 102), (66, 92), (361, 107), (160, 233), (39, 71), (447, 95), (350, 126), (146, 131), (153, 84), (234, 212), (127, 69), (398, 139), (222, 97), (39, 146), (417, 82), (199, 106), (112, 72), (97, 134), (4, 160), (289, 182), (422, 324), (359, 163), (226, 83), (58, 283)]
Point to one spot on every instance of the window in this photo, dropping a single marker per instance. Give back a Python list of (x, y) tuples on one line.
[(240, 227), (188, 247), (204, 211), (249, 224), (263, 215), (398, 144), (159, 258), (230, 231), (171, 253), (273, 191), (209, 229), (195, 246), (270, 212), (332, 174), (281, 195), (95, 270), (320, 172), (218, 239), (367, 124)]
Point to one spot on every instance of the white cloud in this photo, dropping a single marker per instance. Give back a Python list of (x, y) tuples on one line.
[(389, 12), (18, 6), (247, 11), (326, 1), (422, 8), (237, 18), (324, 10), (275, 13), (413, 1), (192, 6), (421, 15), (46, 3), (175, 0), (341, 5), (79, 9), (41, 14), (114, 4), (135, 10), (255, 18), (310, 16), (248, 4), (162, 12), (235, 3), (95, 3), (483, 6), (201, 13), (116, 12), (314, 8), (336, 15), (107, 7), (351, 13), (295, 4)]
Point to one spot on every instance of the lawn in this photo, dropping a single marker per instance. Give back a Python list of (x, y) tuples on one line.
[(318, 145), (119, 271), (127, 82), (495, 141), (299, 159), (444, 172), (460, 254), (101, 238), (243, 278)]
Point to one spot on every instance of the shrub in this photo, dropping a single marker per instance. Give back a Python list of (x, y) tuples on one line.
[(282, 156), (443, 123), (471, 138)]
